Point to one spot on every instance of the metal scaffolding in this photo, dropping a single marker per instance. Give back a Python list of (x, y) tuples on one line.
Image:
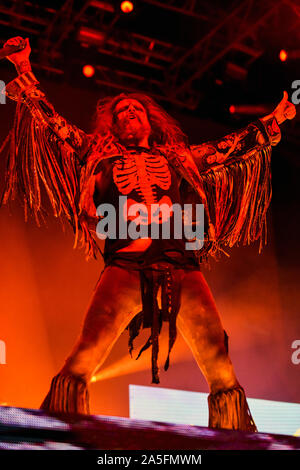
[(127, 59)]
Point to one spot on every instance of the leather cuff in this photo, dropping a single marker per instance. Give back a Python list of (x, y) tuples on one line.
[(271, 128), (20, 85)]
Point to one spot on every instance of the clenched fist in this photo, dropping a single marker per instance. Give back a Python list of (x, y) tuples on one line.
[(20, 59)]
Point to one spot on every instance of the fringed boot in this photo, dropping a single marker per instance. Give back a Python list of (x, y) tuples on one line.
[(67, 394), (228, 409)]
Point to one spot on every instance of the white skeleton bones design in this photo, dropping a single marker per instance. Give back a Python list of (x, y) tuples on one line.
[(143, 173)]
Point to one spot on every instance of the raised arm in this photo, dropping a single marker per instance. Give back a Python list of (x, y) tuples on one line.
[(236, 176), (25, 88), (46, 155), (243, 143), (238, 144)]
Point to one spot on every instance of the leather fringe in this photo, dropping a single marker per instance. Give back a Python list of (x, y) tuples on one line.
[(229, 409), (239, 193), (152, 317), (67, 394), (38, 162)]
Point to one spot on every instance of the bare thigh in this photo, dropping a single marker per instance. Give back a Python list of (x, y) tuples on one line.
[(200, 324), (115, 301)]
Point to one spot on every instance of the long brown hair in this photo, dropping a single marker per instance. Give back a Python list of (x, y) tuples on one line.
[(165, 129)]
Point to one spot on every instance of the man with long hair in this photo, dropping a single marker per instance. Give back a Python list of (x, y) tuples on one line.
[(139, 152)]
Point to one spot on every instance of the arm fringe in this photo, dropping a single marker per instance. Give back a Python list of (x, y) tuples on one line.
[(36, 159), (239, 194)]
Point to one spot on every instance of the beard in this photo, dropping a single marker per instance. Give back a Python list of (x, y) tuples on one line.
[(132, 131)]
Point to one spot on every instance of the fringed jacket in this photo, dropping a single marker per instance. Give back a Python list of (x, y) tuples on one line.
[(230, 176)]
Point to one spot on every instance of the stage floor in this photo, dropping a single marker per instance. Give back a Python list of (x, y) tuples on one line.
[(22, 428)]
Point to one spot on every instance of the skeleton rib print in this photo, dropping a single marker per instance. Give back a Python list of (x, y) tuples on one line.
[(142, 172)]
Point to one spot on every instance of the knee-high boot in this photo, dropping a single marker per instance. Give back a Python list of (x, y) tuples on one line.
[(228, 409), (67, 394)]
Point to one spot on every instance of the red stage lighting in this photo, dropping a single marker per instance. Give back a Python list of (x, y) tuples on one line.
[(88, 71), (283, 55), (232, 109), (91, 36), (126, 7)]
